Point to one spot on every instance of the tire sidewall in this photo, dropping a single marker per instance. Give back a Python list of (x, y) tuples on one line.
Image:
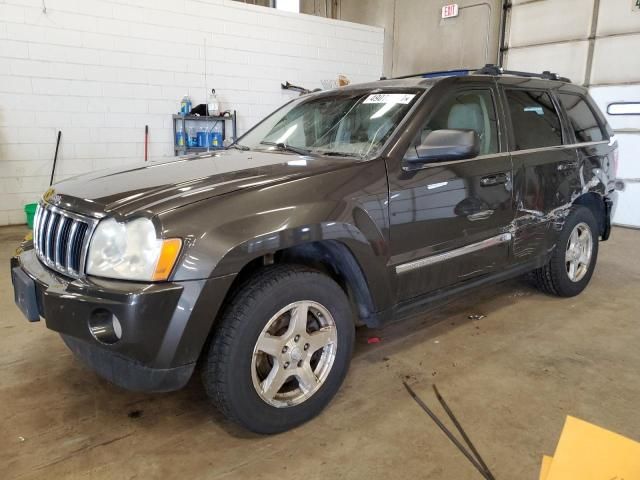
[(246, 404), (565, 286)]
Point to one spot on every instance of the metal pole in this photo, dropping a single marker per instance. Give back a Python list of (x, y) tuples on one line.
[(55, 158)]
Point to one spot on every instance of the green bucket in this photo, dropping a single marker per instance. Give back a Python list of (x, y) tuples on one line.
[(30, 211)]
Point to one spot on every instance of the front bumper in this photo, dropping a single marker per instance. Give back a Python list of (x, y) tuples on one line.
[(164, 325)]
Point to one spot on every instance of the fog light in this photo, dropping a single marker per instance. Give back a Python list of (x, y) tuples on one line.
[(105, 326)]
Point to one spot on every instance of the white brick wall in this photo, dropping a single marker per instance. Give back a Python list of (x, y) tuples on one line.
[(100, 70)]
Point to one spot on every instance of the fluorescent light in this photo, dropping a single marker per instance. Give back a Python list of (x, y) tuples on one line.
[(624, 108), (288, 5)]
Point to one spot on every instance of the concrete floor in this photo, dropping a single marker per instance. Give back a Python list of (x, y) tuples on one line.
[(511, 378)]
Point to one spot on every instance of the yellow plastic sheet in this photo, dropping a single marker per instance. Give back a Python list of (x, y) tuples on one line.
[(545, 467), (589, 452)]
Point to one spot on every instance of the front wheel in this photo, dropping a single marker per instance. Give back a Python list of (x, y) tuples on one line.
[(281, 349), (574, 258)]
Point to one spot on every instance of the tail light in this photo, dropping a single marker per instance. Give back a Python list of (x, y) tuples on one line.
[(614, 162), (613, 158)]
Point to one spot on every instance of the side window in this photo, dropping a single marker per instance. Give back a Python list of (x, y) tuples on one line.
[(534, 118), (583, 121), (469, 110)]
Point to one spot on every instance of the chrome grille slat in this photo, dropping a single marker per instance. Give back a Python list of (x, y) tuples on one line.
[(72, 236), (80, 254), (61, 239), (51, 236), (57, 242), (36, 221), (43, 226)]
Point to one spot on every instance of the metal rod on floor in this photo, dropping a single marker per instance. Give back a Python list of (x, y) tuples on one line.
[(447, 432), (464, 435)]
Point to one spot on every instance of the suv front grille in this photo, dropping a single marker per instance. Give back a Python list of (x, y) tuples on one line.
[(61, 239)]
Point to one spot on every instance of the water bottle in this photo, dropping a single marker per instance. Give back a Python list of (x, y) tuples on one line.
[(185, 105), (212, 105), (180, 135), (202, 137), (216, 141), (193, 137)]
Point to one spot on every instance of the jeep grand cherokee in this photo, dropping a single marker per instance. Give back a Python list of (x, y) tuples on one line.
[(348, 207)]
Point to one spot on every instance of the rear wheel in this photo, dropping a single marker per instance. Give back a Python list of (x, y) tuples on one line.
[(281, 349), (573, 260)]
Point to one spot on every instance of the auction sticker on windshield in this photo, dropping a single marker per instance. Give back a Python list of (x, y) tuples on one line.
[(390, 98)]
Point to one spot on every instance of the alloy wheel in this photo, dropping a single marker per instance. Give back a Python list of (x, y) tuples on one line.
[(294, 354), (579, 251)]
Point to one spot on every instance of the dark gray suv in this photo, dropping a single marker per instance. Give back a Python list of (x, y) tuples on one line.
[(348, 207)]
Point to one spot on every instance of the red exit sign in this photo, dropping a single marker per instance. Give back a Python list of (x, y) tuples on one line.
[(450, 10)]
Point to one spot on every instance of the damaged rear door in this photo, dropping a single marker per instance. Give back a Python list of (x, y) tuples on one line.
[(545, 166)]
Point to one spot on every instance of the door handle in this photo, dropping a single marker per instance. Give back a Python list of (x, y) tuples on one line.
[(483, 215), (567, 166), (491, 180)]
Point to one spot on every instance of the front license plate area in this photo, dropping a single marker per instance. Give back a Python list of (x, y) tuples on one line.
[(24, 291)]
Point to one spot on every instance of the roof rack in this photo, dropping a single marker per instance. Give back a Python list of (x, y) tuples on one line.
[(490, 69), (441, 73)]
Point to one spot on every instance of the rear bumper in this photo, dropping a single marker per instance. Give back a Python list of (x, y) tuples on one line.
[(164, 325)]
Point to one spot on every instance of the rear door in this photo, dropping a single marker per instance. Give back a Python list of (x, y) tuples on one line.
[(592, 141), (545, 165), (449, 219)]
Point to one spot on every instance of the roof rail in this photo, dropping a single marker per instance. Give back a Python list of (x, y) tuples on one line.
[(441, 73), (490, 69)]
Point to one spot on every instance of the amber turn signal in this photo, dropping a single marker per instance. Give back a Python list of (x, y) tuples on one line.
[(168, 256)]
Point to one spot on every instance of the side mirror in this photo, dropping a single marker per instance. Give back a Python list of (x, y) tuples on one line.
[(445, 145)]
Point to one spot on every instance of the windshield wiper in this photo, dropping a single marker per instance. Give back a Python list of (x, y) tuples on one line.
[(287, 148), (341, 154), (239, 147)]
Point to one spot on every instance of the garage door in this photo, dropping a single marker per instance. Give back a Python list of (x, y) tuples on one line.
[(621, 104)]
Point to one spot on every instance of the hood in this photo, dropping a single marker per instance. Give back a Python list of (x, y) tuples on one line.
[(163, 186)]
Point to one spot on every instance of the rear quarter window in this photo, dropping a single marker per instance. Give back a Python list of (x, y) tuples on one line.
[(536, 123), (582, 119)]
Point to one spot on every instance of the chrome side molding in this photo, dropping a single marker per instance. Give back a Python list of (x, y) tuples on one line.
[(441, 257)]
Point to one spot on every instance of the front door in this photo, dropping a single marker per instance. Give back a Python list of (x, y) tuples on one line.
[(450, 219)]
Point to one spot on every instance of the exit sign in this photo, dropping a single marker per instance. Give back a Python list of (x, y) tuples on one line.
[(450, 10)]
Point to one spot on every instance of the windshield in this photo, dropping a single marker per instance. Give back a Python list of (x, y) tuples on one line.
[(349, 124)]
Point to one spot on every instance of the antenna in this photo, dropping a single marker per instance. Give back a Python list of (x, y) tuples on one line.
[(206, 102)]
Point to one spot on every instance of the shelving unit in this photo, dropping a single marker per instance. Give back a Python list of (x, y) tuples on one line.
[(211, 121)]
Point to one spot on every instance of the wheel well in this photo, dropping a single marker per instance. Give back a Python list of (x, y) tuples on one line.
[(595, 203), (330, 257)]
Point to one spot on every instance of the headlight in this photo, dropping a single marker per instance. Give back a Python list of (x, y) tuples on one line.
[(131, 251)]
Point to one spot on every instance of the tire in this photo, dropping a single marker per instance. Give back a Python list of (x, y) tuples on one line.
[(555, 277), (263, 315)]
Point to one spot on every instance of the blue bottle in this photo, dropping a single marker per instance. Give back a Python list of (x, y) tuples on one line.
[(185, 105), (216, 141), (192, 137), (202, 137), (180, 135)]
